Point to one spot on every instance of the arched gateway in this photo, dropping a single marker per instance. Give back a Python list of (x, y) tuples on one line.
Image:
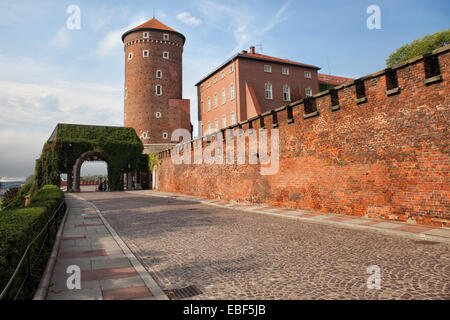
[(70, 145)]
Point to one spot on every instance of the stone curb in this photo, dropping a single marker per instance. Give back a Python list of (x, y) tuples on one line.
[(42, 290), (151, 284), (414, 236)]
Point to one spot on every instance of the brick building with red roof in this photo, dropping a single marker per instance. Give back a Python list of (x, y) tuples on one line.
[(249, 84)]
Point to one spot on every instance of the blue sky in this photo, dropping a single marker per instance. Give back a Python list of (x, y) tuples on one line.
[(50, 74)]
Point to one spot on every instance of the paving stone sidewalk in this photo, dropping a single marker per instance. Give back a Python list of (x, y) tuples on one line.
[(425, 232), (107, 273)]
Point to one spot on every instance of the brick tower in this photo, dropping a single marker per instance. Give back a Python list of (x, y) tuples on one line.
[(153, 84)]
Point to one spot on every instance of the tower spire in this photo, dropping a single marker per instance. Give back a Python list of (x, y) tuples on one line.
[(153, 13)]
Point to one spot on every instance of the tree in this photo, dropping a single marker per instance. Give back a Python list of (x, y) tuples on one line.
[(419, 46)]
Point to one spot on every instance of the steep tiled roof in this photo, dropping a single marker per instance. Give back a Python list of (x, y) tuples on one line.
[(152, 24), (333, 80)]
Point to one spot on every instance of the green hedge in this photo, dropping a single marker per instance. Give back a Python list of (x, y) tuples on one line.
[(17, 228)]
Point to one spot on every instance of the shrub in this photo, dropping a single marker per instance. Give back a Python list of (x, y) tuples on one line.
[(17, 199), (18, 228), (9, 196)]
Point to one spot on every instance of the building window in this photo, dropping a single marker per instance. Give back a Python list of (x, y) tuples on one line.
[(224, 96), (158, 115), (209, 104), (224, 121), (158, 89), (216, 124), (308, 92), (232, 91), (287, 93), (126, 92), (145, 53), (307, 74), (165, 135), (166, 36), (130, 56), (268, 91), (222, 74), (267, 68), (231, 68), (216, 100), (144, 135), (215, 80), (166, 54), (158, 74), (232, 118), (285, 71), (209, 126), (146, 35), (208, 84)]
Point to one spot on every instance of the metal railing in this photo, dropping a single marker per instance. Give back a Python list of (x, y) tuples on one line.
[(27, 261)]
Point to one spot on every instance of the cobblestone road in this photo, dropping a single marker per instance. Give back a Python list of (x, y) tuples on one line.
[(229, 254)]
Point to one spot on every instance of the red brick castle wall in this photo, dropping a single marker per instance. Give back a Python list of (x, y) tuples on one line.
[(380, 154)]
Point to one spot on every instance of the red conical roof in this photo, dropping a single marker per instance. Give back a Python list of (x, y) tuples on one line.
[(154, 24)]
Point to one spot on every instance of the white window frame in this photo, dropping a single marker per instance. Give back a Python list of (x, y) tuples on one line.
[(286, 94), (160, 90), (215, 79), (216, 124), (208, 84), (285, 71), (130, 56), (146, 34), (209, 125), (232, 68), (224, 96), (224, 121), (310, 92), (232, 118), (268, 91), (166, 55), (267, 68), (222, 74), (165, 36), (209, 104), (232, 91), (158, 74), (308, 74), (216, 100), (165, 135), (144, 52), (144, 135), (158, 115)]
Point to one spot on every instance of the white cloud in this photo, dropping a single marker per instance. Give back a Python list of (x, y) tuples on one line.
[(61, 38), (113, 39), (188, 19)]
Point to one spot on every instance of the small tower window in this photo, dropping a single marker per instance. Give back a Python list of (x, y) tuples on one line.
[(130, 56), (144, 135), (146, 35), (166, 54), (165, 135), (145, 53), (158, 89), (166, 36), (158, 74), (158, 115)]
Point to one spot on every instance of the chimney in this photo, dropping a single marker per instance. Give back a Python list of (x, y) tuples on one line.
[(244, 51), (252, 49)]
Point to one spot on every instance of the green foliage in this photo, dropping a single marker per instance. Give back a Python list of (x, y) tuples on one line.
[(121, 146), (16, 198), (19, 226), (153, 161), (419, 46)]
